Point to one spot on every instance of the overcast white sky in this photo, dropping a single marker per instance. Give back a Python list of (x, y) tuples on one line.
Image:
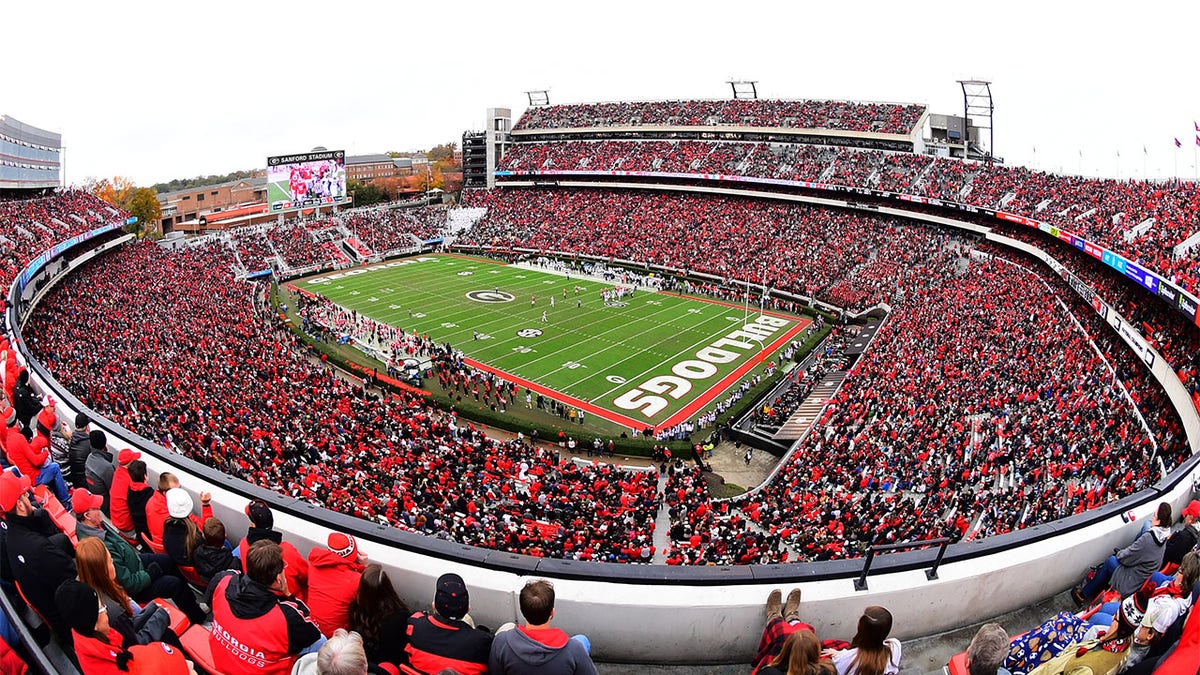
[(161, 90)]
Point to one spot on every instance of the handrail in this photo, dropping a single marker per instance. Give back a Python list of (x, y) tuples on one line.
[(860, 584)]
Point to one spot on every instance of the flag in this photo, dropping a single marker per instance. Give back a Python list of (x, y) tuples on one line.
[(1197, 139), (1178, 144), (1145, 151), (1196, 124)]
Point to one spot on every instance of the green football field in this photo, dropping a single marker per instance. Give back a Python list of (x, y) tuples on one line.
[(652, 359)]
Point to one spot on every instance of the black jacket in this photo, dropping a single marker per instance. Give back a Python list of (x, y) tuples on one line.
[(40, 557), (139, 497), (26, 403), (212, 560), (81, 447)]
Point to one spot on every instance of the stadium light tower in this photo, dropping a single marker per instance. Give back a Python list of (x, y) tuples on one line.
[(538, 97), (977, 101), (743, 89)]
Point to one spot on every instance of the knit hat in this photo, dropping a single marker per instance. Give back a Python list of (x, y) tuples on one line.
[(10, 417), (79, 606), (179, 503), (451, 599), (260, 514), (1192, 509), (126, 456), (12, 487), (97, 439), (343, 545), (82, 420), (82, 501), (157, 658)]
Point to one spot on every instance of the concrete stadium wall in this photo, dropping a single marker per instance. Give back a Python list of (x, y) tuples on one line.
[(663, 614)]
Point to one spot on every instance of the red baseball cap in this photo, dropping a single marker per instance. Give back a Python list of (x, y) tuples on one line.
[(1192, 509), (83, 501), (126, 456), (12, 487)]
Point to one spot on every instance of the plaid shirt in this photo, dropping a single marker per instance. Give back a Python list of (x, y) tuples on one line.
[(772, 640)]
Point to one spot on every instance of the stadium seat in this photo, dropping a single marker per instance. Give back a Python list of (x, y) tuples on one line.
[(195, 641)]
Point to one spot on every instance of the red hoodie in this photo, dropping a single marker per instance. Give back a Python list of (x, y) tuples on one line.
[(332, 584), (119, 501)]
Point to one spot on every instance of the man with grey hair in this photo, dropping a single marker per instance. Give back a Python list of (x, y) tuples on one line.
[(342, 654), (988, 650)]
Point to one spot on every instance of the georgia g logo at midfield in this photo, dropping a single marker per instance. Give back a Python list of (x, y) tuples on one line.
[(491, 296)]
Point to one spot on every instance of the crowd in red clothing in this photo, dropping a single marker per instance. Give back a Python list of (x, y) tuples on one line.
[(889, 118), (844, 258), (384, 230), (30, 226), (196, 367), (952, 431), (300, 244), (1102, 210)]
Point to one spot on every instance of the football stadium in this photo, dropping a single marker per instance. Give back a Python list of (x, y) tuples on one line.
[(506, 429)]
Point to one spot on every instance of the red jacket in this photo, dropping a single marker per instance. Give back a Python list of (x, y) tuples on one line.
[(253, 630), (333, 582), (97, 657), (156, 515), (22, 456), (119, 500), (296, 568)]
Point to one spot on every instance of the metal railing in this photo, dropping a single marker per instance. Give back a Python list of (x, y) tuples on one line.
[(860, 584)]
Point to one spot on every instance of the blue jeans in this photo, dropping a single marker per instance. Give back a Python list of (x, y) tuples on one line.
[(51, 476), (1100, 582)]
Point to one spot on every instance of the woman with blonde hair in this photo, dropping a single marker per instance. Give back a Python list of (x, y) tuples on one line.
[(137, 625), (801, 655)]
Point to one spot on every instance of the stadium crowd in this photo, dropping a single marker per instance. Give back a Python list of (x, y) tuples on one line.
[(994, 416), (303, 431), (888, 118), (1104, 211), (977, 428)]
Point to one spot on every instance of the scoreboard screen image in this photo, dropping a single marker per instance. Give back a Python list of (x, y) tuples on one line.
[(306, 180)]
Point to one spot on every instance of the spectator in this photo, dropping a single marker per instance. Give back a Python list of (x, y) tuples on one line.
[(213, 554), (782, 621), (871, 652), (43, 438), (182, 531), (99, 647), (144, 576), (156, 509), (342, 654), (379, 615), (26, 402), (800, 655), (1183, 541), (1145, 616), (100, 466), (988, 649), (257, 625), (1130, 567), (137, 625), (40, 557), (334, 574), (118, 501), (537, 647), (262, 524), (37, 466), (444, 639), (80, 447), (139, 495)]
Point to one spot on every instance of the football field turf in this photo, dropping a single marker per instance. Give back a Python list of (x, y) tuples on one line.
[(649, 360)]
